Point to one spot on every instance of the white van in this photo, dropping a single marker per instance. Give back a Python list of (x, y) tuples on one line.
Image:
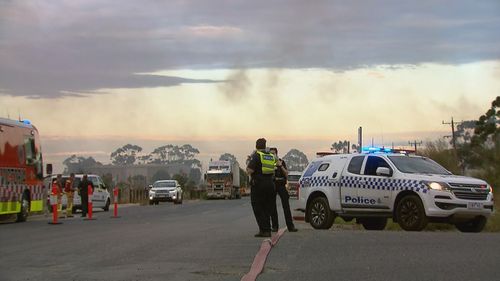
[(100, 199)]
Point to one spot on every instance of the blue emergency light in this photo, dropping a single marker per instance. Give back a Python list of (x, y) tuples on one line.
[(373, 149)]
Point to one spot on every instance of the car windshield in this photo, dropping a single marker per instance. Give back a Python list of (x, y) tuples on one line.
[(164, 184), (293, 177), (418, 165)]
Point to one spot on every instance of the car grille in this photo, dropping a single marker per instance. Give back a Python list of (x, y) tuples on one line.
[(163, 191), (469, 191)]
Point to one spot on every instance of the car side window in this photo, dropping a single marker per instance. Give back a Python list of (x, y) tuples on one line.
[(372, 163), (355, 164), (323, 167), (94, 181)]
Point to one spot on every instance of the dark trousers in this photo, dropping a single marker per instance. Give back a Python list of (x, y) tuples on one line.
[(85, 204), (262, 196), (283, 194)]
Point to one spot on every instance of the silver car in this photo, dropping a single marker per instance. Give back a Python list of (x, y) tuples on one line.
[(165, 191)]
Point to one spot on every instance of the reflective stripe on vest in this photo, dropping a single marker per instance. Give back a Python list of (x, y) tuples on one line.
[(268, 162)]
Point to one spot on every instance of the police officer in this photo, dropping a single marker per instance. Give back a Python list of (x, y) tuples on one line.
[(59, 183), (69, 191), (84, 195), (280, 178), (261, 169)]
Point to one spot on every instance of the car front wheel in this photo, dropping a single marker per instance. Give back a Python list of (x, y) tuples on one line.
[(410, 213)]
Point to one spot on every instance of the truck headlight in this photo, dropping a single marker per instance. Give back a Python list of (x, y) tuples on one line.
[(441, 186)]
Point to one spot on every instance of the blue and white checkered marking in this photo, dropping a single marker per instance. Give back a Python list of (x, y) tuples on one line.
[(317, 181), (369, 183)]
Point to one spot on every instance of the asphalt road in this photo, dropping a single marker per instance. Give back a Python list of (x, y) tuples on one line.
[(213, 240)]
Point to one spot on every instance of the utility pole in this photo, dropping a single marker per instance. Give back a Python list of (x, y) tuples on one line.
[(453, 139), (414, 144)]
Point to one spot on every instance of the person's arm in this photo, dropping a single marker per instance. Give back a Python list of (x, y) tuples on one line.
[(282, 165), (252, 164)]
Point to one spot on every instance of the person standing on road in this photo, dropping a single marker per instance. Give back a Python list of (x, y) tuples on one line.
[(261, 169), (59, 184), (84, 195), (280, 178), (70, 191)]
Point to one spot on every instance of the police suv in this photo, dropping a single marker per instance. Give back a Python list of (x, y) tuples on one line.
[(382, 183)]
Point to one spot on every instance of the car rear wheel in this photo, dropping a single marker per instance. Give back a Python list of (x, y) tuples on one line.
[(410, 213), (321, 217), (475, 225)]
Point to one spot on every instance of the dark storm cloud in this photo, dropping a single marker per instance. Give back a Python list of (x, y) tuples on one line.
[(57, 48)]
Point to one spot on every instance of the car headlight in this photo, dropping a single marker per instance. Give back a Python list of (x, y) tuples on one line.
[(441, 186), (151, 192)]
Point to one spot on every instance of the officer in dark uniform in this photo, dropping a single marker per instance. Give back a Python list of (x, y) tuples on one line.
[(261, 169), (280, 178), (84, 195)]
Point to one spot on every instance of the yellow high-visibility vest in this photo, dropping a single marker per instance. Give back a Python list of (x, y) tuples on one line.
[(268, 162)]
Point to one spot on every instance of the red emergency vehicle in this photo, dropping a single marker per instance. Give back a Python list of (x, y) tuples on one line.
[(21, 169)]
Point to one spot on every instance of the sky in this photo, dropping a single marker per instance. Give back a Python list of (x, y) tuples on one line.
[(96, 75)]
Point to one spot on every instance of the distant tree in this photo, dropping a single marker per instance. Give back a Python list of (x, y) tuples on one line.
[(296, 160), (108, 181), (228, 157), (487, 127), (343, 147), (125, 155), (181, 178), (174, 154), (482, 154), (161, 175), (79, 165), (465, 131), (195, 175)]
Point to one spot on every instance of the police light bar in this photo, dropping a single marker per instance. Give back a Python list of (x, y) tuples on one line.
[(374, 149)]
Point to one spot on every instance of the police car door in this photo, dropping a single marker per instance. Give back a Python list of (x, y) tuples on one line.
[(374, 192), (97, 200), (350, 182)]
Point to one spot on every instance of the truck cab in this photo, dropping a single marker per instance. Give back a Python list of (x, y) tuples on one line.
[(372, 187)]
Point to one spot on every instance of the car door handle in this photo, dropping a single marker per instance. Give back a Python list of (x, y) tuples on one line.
[(362, 181)]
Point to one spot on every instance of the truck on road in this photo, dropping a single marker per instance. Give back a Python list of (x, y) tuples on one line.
[(21, 169), (223, 180)]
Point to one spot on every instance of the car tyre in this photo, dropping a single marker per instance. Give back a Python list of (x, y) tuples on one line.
[(321, 217), (373, 223), (410, 213), (475, 225), (25, 208)]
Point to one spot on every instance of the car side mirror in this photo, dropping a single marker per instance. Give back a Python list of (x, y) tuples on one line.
[(383, 171), (150, 186)]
